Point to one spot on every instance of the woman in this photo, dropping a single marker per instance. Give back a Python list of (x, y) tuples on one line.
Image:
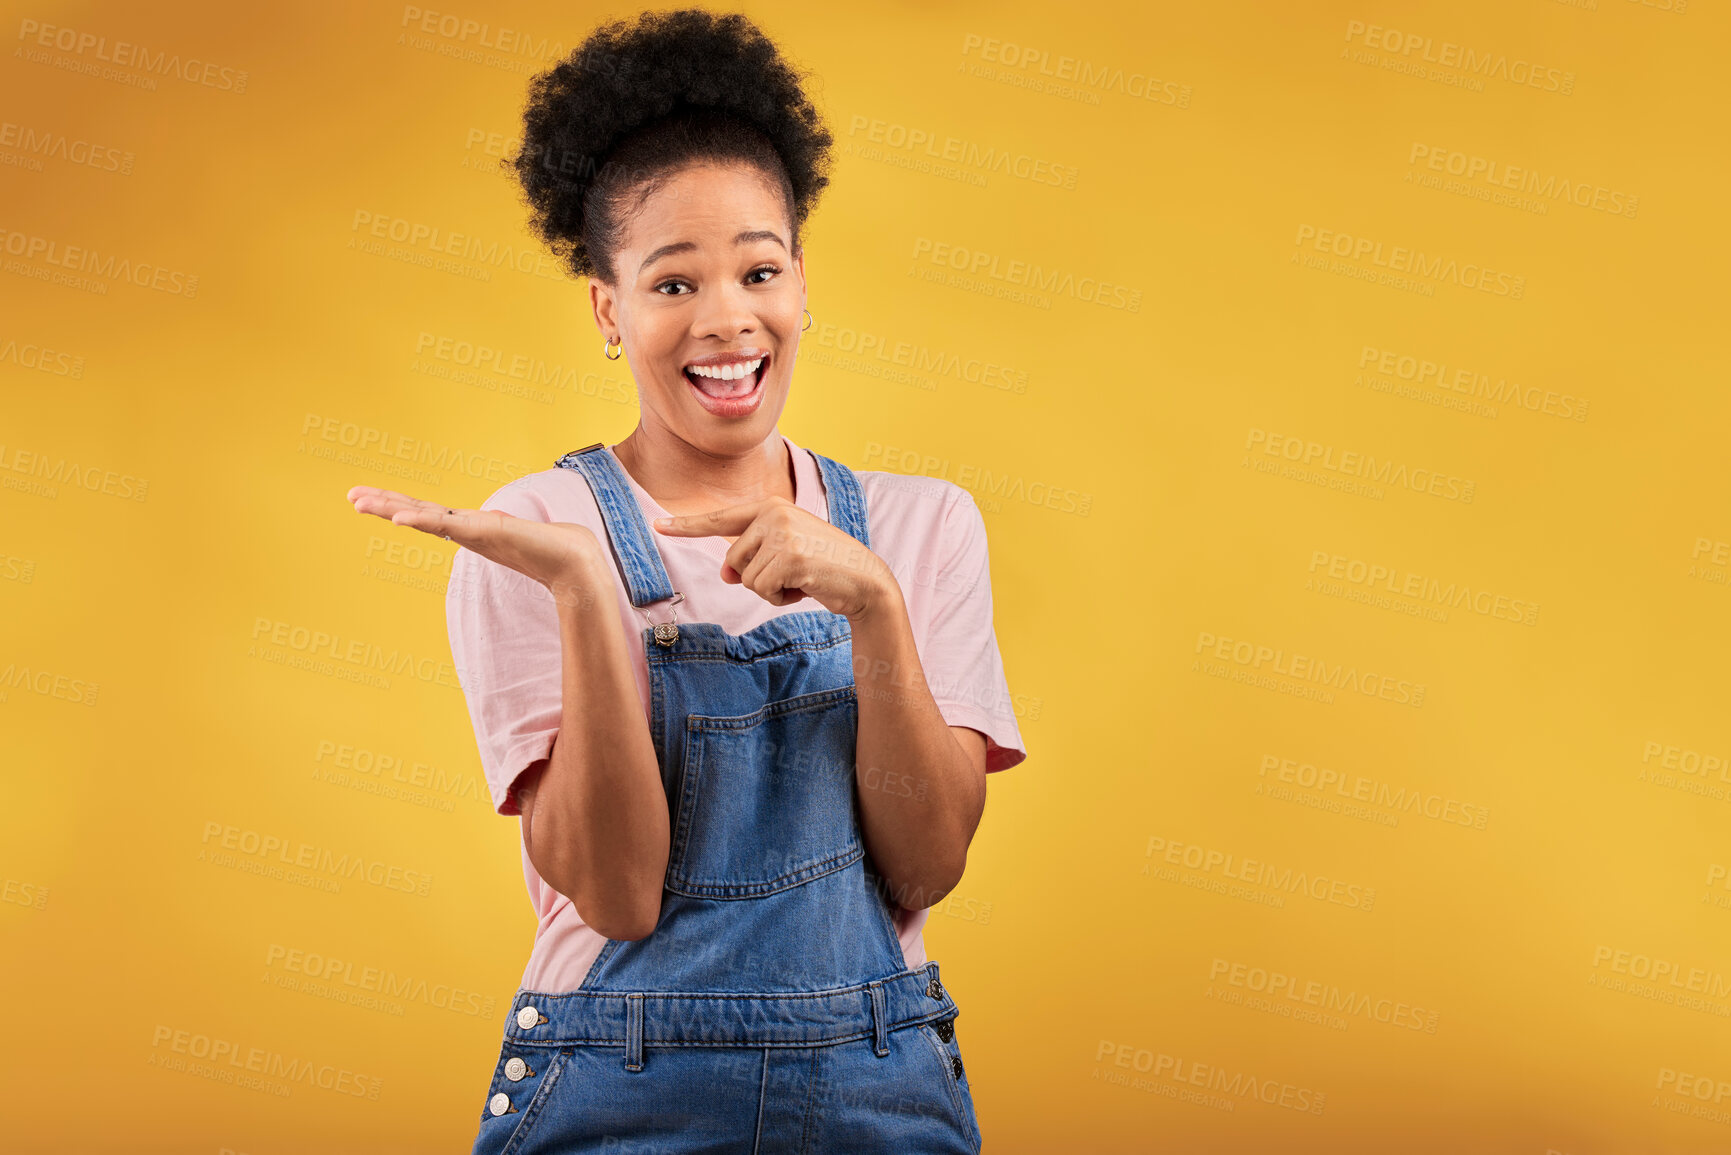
[(743, 698)]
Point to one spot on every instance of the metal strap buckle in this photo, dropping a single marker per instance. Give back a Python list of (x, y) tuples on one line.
[(667, 633)]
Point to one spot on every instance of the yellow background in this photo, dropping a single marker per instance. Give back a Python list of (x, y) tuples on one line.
[(1523, 987)]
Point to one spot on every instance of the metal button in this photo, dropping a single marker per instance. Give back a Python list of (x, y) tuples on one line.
[(499, 1103), (528, 1017), (945, 1028), (956, 1066), (934, 988), (516, 1068)]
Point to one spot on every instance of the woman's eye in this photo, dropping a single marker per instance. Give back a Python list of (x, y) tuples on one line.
[(664, 286)]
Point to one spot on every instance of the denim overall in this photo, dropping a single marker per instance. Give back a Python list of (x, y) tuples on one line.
[(771, 1009)]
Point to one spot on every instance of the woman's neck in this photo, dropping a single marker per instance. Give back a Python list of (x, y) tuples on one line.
[(683, 479)]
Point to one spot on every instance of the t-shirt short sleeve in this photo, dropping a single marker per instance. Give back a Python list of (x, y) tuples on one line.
[(504, 632), (959, 651)]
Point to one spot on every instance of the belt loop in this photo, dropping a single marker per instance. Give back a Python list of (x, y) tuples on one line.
[(634, 1032), (880, 1020)]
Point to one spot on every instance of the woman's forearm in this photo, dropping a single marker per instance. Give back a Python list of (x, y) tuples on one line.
[(595, 821), (920, 795)]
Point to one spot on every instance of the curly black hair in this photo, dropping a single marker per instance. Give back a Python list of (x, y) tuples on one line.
[(635, 102)]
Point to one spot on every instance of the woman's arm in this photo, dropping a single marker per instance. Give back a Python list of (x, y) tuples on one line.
[(595, 811), (922, 782)]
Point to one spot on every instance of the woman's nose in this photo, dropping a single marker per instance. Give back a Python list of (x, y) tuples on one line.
[(725, 313)]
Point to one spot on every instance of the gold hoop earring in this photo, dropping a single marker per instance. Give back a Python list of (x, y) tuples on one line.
[(606, 345), (808, 321)]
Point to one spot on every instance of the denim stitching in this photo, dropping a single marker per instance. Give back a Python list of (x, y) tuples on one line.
[(805, 1136), (762, 1094), (680, 875), (690, 774), (838, 634), (799, 703), (810, 872), (537, 1101), (925, 1032), (645, 577), (846, 502)]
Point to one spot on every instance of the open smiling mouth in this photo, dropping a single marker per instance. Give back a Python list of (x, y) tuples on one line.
[(731, 390)]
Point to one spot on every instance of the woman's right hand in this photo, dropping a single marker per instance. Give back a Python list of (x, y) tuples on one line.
[(563, 556)]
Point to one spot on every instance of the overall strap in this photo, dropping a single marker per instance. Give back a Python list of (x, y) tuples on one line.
[(646, 578), (847, 507)]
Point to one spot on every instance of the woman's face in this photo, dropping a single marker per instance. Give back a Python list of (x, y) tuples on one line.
[(707, 287)]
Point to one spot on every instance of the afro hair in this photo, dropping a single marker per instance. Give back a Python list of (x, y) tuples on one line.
[(634, 103)]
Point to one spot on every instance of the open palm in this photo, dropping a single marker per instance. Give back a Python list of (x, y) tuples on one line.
[(554, 553)]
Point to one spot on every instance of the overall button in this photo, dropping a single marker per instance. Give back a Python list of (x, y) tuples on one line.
[(934, 988), (956, 1066), (499, 1103), (528, 1017), (944, 1027), (516, 1069)]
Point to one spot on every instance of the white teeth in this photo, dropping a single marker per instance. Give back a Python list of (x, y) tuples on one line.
[(728, 372)]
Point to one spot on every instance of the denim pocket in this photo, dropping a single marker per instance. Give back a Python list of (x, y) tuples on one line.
[(522, 1082), (941, 1034), (766, 799)]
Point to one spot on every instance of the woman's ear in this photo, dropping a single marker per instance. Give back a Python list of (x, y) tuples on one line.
[(602, 302)]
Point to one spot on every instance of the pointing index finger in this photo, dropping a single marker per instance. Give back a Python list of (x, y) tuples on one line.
[(729, 521)]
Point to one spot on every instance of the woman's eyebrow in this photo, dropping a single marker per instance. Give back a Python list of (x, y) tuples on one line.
[(743, 238)]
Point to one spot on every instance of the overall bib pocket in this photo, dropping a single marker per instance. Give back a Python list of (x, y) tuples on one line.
[(766, 799), (522, 1081)]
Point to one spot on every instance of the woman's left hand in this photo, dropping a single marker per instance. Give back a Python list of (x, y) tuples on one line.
[(784, 553)]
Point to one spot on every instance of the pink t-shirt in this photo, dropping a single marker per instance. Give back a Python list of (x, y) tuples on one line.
[(505, 641)]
